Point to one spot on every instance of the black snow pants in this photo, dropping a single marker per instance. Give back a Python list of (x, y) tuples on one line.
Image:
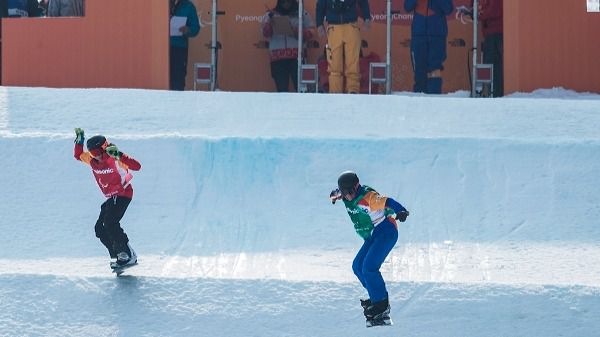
[(108, 227)]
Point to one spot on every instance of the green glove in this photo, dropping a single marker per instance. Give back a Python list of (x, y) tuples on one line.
[(79, 136), (113, 151)]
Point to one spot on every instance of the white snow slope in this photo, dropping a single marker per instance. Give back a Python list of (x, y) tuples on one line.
[(236, 235)]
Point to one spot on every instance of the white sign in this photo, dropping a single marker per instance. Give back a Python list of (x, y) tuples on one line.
[(176, 23), (593, 5)]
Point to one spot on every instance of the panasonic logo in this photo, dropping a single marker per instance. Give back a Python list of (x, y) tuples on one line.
[(105, 171)]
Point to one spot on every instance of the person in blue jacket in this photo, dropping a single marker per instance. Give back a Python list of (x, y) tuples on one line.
[(21, 9), (371, 213), (428, 42), (179, 42)]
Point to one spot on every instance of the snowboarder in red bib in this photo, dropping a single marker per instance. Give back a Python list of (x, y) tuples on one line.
[(371, 214), (111, 171)]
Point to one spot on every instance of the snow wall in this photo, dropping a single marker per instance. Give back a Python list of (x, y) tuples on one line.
[(205, 196)]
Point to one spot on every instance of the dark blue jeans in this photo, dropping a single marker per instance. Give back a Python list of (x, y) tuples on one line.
[(493, 50), (370, 257), (178, 59), (428, 53), (282, 71)]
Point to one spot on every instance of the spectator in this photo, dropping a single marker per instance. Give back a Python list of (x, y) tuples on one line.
[(66, 8), (283, 43), (44, 7), (179, 40), (21, 8), (364, 61), (491, 16), (343, 40), (372, 215), (428, 42)]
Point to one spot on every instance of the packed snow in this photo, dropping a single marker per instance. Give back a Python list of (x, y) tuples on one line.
[(236, 236)]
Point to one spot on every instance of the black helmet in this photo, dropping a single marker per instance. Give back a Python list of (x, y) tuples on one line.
[(96, 142), (347, 181)]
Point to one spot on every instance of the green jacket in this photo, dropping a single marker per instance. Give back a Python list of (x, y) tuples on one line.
[(367, 210)]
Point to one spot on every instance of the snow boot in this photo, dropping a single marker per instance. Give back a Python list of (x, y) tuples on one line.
[(378, 314), (125, 258), (365, 304), (378, 309)]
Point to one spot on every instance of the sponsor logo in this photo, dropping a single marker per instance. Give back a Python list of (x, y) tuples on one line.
[(249, 18), (395, 16), (352, 211), (101, 184), (105, 171)]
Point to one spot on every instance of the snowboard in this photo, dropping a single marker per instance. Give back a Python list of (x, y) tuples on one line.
[(118, 270)]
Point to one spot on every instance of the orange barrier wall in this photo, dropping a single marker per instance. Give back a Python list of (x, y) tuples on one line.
[(125, 44), (244, 65), (549, 43), (119, 44)]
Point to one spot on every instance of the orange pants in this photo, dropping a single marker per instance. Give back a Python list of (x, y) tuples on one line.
[(343, 51)]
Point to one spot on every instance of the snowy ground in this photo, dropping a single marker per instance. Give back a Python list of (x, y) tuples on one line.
[(236, 236)]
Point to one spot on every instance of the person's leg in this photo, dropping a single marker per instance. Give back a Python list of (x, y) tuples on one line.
[(436, 55), (178, 67), (335, 58), (280, 76), (494, 50), (352, 42), (292, 66), (357, 264), (115, 209), (418, 51), (102, 233), (384, 238)]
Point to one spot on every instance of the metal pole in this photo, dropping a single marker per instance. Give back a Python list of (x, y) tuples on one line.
[(475, 42), (213, 46), (300, 42), (388, 53)]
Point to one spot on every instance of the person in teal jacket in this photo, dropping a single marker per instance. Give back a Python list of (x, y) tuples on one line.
[(371, 213), (179, 40)]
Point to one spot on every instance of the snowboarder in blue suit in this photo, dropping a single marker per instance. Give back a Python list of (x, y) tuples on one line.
[(429, 32), (371, 214)]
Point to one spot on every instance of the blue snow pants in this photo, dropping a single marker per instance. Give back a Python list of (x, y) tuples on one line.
[(370, 257), (428, 53)]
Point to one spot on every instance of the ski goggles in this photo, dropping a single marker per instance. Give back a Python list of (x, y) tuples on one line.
[(347, 191)]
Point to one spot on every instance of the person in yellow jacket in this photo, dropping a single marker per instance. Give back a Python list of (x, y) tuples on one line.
[(343, 40)]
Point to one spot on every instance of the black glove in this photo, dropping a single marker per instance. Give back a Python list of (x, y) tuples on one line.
[(401, 216), (335, 195)]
